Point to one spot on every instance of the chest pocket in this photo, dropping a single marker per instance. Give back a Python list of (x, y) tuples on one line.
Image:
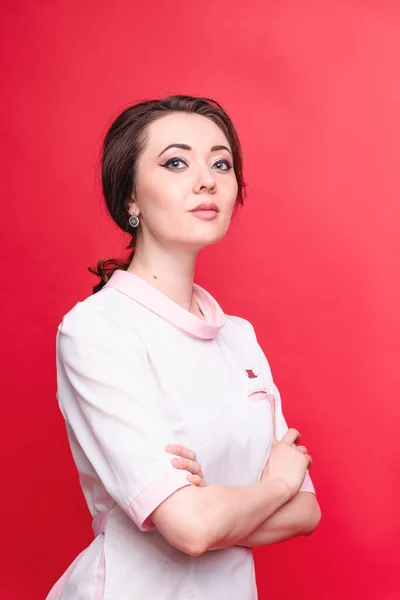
[(251, 366), (255, 416), (238, 453), (256, 381)]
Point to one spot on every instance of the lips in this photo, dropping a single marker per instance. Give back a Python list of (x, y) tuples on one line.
[(206, 206)]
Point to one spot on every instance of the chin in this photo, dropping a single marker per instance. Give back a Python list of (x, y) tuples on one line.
[(202, 240), (201, 234), (213, 237)]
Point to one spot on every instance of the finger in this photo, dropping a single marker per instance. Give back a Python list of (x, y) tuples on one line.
[(272, 402), (181, 451), (302, 449), (197, 480), (291, 436), (190, 465), (310, 461)]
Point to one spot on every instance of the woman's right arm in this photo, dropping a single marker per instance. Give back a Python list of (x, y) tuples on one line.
[(196, 519)]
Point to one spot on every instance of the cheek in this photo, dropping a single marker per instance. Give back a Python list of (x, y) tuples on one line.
[(157, 195), (230, 185), (235, 189), (163, 206), (229, 192)]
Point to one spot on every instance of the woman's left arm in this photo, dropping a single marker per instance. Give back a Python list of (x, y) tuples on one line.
[(298, 517)]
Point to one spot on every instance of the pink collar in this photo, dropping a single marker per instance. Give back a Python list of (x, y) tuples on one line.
[(143, 292)]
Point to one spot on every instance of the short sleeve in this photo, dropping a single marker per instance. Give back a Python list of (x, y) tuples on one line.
[(280, 422), (107, 393)]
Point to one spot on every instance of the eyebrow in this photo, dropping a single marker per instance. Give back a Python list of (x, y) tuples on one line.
[(187, 147)]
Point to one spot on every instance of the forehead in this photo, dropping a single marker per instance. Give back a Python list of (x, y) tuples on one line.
[(185, 128)]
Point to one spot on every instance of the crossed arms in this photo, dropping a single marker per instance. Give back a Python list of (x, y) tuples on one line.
[(198, 519)]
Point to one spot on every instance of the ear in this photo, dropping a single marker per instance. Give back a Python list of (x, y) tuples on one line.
[(132, 206)]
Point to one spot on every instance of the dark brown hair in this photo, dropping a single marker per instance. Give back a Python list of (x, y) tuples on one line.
[(123, 144)]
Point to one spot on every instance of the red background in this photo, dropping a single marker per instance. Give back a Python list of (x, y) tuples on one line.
[(312, 260)]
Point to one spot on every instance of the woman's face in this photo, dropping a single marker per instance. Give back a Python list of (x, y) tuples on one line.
[(172, 181)]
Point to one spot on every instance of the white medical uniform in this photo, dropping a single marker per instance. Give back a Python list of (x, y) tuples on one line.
[(136, 371)]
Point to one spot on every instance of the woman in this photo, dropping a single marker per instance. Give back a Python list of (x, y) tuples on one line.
[(155, 380)]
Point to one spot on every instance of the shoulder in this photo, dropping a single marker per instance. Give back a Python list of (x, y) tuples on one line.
[(240, 335), (240, 325), (106, 302), (88, 314), (244, 333), (97, 320), (108, 307)]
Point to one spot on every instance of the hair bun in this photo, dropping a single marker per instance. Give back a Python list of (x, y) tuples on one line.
[(105, 268)]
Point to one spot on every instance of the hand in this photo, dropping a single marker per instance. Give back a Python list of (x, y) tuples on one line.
[(187, 461), (304, 450), (286, 462)]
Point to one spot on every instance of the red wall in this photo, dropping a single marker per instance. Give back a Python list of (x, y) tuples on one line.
[(312, 260)]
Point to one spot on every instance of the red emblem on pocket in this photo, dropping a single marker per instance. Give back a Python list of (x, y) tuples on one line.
[(250, 373)]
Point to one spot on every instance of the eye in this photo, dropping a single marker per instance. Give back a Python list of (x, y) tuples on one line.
[(225, 165), (172, 164)]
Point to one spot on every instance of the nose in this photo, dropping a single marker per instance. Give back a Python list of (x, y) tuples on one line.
[(205, 180)]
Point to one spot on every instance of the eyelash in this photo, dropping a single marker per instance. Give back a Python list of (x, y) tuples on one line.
[(175, 158)]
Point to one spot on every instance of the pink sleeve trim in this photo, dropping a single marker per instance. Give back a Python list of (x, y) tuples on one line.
[(307, 485), (159, 490)]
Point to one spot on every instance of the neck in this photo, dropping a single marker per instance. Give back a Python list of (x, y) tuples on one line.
[(170, 271)]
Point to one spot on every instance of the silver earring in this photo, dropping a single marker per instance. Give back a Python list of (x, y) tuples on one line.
[(133, 221)]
